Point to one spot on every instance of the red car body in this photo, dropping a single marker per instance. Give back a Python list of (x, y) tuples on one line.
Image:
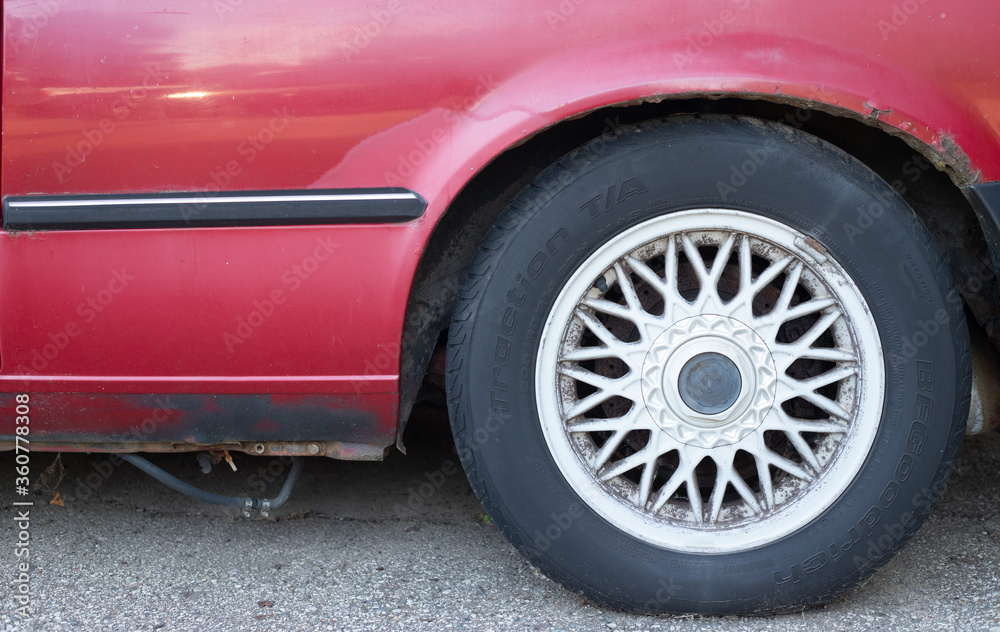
[(166, 337)]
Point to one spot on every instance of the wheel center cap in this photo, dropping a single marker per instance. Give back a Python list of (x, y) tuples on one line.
[(708, 380), (709, 383)]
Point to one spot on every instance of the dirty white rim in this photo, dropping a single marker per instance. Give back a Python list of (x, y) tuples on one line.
[(717, 456)]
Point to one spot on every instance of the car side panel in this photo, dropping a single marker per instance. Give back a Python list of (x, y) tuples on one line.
[(128, 97)]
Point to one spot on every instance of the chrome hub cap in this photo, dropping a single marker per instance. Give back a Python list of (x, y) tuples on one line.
[(710, 380), (709, 384)]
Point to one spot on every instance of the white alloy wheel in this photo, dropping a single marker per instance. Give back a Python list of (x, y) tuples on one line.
[(709, 381)]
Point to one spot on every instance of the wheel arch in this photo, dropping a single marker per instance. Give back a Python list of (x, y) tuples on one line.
[(935, 179)]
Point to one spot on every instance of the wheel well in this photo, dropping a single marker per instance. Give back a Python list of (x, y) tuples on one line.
[(929, 185)]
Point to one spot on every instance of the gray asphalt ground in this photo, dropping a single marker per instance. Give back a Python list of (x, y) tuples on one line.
[(359, 548)]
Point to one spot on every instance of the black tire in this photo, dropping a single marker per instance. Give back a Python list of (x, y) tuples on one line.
[(687, 163)]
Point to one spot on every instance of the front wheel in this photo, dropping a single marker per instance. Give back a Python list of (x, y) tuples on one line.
[(708, 365)]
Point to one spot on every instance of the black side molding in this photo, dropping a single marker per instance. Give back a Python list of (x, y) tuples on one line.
[(207, 209)]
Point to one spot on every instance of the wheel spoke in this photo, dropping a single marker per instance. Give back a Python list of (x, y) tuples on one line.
[(766, 486), (782, 463), (694, 258), (720, 261), (671, 264), (788, 289), (800, 310), (746, 269), (667, 289), (675, 306), (608, 307), (804, 450), (668, 490), (598, 381), (830, 355), (727, 476), (788, 389), (646, 481), (583, 354), (830, 377), (708, 295), (694, 497), (827, 405), (587, 403), (770, 274), (745, 492), (808, 307), (612, 424), (781, 421), (715, 500), (598, 328), (646, 274), (628, 290), (818, 329), (608, 449), (622, 466)]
